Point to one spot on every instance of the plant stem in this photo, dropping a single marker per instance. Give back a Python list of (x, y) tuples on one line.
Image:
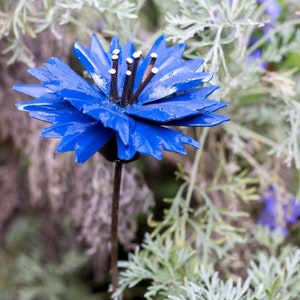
[(192, 182), (195, 168), (114, 224)]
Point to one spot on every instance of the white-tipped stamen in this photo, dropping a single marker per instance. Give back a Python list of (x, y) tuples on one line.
[(113, 93), (114, 78), (125, 87), (153, 71), (115, 62), (153, 56), (136, 56), (136, 59), (130, 67), (129, 62), (116, 51)]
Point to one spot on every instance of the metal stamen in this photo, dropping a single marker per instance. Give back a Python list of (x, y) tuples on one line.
[(113, 93), (115, 62), (129, 62), (153, 56), (136, 58), (152, 72), (125, 87), (114, 78)]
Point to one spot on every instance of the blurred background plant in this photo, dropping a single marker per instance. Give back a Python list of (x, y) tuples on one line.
[(207, 235)]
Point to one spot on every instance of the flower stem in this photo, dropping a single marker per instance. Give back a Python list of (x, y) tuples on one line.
[(114, 224)]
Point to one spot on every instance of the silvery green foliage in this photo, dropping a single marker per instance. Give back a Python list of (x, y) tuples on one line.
[(269, 278), (172, 271), (221, 32), (277, 276), (20, 18), (212, 25), (212, 287)]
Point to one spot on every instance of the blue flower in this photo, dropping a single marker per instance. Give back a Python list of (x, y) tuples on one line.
[(256, 55), (280, 210), (272, 8), (126, 106)]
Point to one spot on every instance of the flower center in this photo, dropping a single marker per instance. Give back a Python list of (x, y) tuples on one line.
[(129, 96)]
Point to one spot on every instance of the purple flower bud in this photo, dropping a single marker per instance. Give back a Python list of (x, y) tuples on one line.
[(280, 210)]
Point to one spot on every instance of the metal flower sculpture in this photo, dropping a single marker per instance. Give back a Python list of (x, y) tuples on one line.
[(124, 109), (128, 107)]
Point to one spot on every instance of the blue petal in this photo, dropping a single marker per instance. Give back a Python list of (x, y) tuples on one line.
[(216, 106), (145, 138), (68, 128), (119, 122), (206, 119), (60, 116), (197, 94), (181, 67), (114, 44), (33, 90), (53, 110), (172, 140), (48, 102), (91, 142), (165, 87), (40, 74), (173, 57), (78, 100), (45, 102), (158, 47), (126, 52), (170, 72), (97, 71), (84, 138), (125, 152), (63, 77), (81, 98), (151, 140), (99, 54), (58, 76), (108, 115), (170, 110)]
